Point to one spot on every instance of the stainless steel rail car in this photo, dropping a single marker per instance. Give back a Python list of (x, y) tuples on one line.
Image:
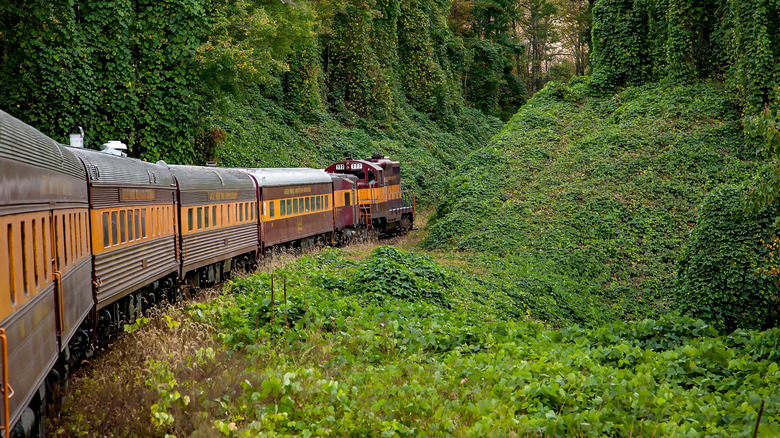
[(134, 234)]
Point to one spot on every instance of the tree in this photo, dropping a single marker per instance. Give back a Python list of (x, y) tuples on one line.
[(728, 270), (537, 23), (460, 17), (250, 40), (766, 127), (574, 30), (491, 80)]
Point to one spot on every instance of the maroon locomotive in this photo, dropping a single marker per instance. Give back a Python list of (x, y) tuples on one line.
[(383, 205)]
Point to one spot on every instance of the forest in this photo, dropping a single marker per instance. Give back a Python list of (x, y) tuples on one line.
[(599, 254), (175, 71)]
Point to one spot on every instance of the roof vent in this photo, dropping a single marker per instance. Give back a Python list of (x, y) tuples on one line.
[(77, 139), (114, 147)]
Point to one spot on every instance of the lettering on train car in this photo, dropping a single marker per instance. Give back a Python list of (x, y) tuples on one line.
[(136, 194), (297, 190), (391, 178), (221, 196)]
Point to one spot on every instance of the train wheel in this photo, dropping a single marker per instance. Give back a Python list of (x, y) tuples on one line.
[(406, 225), (33, 421), (105, 325)]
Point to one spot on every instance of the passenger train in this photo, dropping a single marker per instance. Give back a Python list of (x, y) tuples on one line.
[(90, 240)]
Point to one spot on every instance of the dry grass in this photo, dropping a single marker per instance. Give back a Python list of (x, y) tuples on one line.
[(109, 396)]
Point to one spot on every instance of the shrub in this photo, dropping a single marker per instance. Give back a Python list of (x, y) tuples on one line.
[(391, 272), (727, 272)]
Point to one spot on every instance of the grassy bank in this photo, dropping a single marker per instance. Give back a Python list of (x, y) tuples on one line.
[(261, 133)]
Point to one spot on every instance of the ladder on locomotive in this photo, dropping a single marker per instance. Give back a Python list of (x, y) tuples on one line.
[(365, 215), (366, 212)]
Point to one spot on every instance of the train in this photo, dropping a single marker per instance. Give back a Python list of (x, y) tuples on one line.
[(92, 239)]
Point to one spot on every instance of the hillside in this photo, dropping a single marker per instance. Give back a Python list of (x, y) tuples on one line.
[(580, 206), (257, 82), (262, 133)]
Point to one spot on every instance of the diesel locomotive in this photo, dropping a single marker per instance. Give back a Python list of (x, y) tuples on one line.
[(90, 240)]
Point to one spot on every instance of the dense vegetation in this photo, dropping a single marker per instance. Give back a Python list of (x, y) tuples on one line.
[(164, 76), (582, 203), (241, 80), (400, 345), (685, 40), (729, 268), (263, 134), (636, 193)]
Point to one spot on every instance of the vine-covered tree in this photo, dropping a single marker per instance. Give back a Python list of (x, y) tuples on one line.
[(491, 79), (683, 40)]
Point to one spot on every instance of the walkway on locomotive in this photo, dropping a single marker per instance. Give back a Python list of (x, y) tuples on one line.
[(345, 206)]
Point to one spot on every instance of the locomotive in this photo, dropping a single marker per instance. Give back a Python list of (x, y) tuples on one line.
[(90, 240)]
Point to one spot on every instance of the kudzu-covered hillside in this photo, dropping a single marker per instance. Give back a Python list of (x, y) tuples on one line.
[(581, 206)]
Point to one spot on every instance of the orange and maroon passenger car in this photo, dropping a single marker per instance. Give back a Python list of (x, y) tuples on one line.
[(45, 261), (218, 221), (295, 204)]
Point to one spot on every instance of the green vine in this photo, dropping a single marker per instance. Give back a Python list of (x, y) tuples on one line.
[(635, 41)]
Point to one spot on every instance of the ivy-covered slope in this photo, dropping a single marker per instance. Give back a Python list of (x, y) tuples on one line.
[(261, 133), (580, 206), (160, 83)]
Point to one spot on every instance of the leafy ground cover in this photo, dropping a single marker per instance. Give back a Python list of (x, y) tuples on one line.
[(262, 133), (579, 208), (397, 344)]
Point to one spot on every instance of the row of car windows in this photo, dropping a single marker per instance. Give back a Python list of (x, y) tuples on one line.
[(29, 241), (288, 207), (222, 215), (129, 224)]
